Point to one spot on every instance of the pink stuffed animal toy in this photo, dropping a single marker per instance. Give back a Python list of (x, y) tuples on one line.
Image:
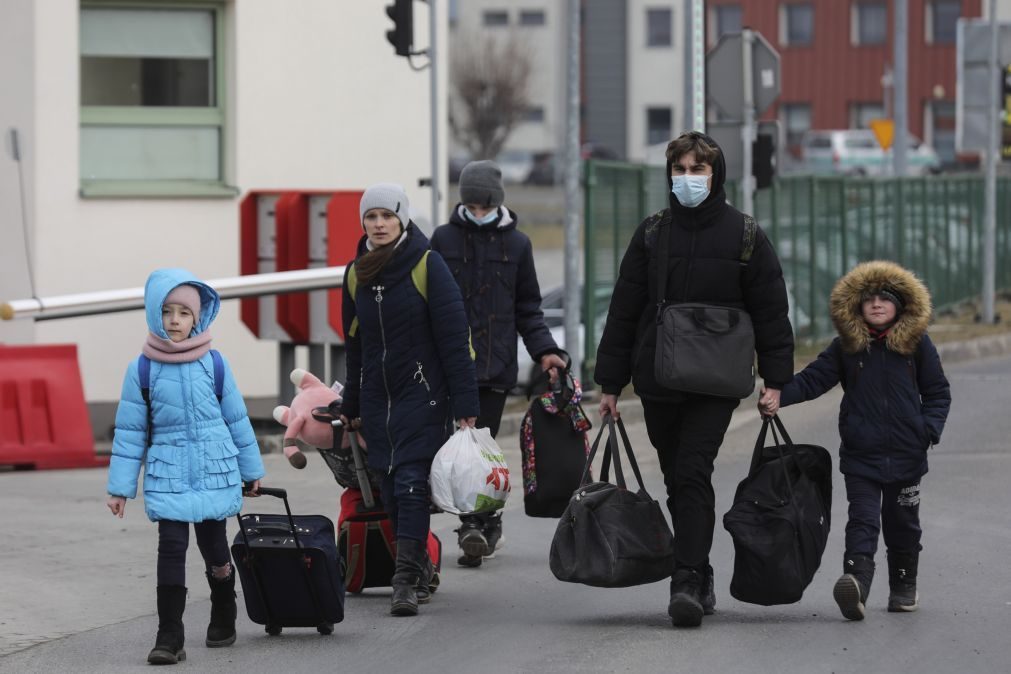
[(312, 393)]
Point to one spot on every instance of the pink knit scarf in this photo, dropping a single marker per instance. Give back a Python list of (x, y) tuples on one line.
[(186, 351)]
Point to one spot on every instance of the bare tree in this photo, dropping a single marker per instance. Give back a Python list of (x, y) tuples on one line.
[(491, 80)]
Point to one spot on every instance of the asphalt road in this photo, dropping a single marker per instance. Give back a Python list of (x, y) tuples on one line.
[(77, 588)]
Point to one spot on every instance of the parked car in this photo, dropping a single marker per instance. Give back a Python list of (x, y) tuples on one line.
[(553, 306), (516, 165), (856, 152)]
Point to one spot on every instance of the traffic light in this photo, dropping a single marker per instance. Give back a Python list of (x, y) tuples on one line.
[(402, 35)]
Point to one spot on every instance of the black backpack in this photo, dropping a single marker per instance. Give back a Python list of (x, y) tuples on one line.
[(780, 520)]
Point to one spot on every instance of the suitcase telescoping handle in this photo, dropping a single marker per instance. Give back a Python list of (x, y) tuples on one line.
[(360, 469)]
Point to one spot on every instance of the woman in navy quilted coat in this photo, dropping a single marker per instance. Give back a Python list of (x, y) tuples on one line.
[(410, 371), (194, 449)]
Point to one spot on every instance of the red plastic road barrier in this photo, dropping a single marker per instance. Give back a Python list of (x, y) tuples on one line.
[(44, 419)]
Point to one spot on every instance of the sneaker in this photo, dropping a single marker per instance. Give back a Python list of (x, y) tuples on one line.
[(492, 531), (471, 537), (469, 561), (685, 608)]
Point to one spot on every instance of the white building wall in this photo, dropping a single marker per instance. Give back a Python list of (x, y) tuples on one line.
[(317, 99), (656, 74), (546, 46)]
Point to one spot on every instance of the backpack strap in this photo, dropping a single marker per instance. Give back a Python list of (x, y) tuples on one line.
[(419, 275), (144, 374), (219, 374), (748, 243)]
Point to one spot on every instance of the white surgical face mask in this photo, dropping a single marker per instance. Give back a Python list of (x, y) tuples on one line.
[(488, 218), (690, 190)]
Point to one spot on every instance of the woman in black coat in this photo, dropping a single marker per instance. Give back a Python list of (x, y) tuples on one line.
[(410, 370), (704, 264)]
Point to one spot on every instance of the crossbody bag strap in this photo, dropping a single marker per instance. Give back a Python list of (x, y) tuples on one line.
[(661, 266)]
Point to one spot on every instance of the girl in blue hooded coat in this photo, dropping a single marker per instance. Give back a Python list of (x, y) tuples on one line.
[(410, 371), (194, 448)]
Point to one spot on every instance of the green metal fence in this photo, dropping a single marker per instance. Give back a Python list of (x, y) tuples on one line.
[(821, 227)]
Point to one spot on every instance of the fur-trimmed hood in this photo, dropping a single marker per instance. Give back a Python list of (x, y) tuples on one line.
[(868, 278)]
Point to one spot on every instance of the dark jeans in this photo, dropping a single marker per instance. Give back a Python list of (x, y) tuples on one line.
[(492, 405), (890, 508), (687, 436), (174, 539), (406, 499)]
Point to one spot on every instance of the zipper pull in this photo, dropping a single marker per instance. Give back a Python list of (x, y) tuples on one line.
[(379, 293), (419, 376)]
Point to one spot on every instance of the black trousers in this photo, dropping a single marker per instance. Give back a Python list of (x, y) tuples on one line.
[(892, 509), (687, 436), (492, 403), (174, 539), (406, 497)]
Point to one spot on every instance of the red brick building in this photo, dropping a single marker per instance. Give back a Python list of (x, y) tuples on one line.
[(836, 58)]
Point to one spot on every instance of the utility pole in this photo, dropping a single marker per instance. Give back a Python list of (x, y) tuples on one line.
[(900, 98), (748, 127), (573, 315), (433, 33), (992, 153)]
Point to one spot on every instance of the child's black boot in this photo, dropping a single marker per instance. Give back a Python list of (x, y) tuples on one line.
[(708, 598), (902, 596), (168, 645), (854, 585), (221, 630), (409, 572), (471, 539), (429, 581)]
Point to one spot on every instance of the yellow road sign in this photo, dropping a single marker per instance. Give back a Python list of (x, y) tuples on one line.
[(884, 131)]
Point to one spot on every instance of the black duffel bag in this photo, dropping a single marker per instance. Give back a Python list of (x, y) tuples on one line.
[(609, 536), (780, 520)]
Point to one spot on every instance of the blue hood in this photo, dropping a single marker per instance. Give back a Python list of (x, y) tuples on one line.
[(163, 281)]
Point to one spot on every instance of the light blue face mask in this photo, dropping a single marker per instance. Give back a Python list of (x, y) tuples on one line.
[(690, 190), (489, 217)]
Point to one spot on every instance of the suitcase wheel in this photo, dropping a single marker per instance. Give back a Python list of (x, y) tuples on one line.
[(272, 630), (325, 628)]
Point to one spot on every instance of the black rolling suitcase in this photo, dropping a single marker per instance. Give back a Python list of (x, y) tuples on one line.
[(289, 568)]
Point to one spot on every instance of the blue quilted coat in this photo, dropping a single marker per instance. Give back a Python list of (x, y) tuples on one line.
[(410, 369), (201, 450)]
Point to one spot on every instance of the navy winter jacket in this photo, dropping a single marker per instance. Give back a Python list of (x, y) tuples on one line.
[(896, 397), (409, 366), (494, 266)]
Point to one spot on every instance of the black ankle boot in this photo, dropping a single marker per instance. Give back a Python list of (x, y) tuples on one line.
[(221, 630), (168, 645), (685, 608), (902, 568), (407, 577), (851, 590), (428, 581), (708, 593)]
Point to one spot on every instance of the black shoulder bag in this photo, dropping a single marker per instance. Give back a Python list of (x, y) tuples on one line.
[(703, 348)]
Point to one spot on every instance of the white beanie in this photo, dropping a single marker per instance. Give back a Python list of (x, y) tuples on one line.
[(389, 196)]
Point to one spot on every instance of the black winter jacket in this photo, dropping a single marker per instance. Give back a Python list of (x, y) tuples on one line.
[(896, 396), (704, 265), (494, 266), (409, 367)]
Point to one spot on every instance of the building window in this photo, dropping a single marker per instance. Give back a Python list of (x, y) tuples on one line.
[(726, 20), (658, 125), (870, 23), (942, 21), (532, 17), (534, 114), (797, 121), (659, 27), (152, 108), (797, 24), (496, 18), (861, 114)]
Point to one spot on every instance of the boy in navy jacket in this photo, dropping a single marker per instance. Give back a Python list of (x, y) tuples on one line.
[(895, 402)]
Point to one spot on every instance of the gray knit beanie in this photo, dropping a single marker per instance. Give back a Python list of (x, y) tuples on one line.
[(481, 183), (389, 196)]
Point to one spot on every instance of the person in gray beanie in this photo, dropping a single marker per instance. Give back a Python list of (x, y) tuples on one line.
[(493, 263)]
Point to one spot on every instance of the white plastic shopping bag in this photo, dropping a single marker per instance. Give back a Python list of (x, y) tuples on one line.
[(469, 473)]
